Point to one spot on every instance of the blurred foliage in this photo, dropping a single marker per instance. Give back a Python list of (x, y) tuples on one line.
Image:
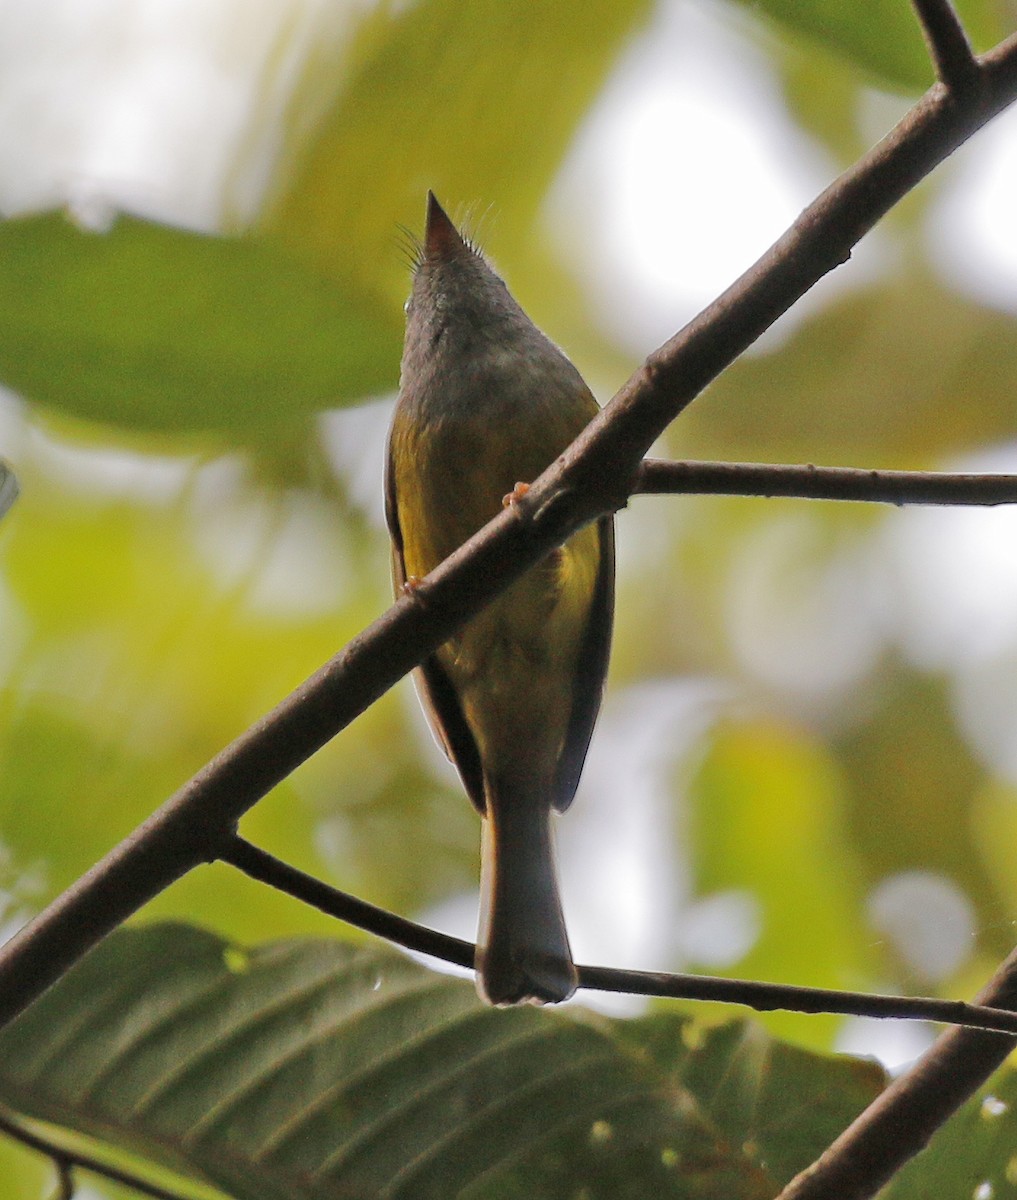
[(905, 373), (768, 817), (195, 534), (473, 102), (883, 37)]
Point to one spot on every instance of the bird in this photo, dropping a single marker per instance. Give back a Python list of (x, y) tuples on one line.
[(486, 403)]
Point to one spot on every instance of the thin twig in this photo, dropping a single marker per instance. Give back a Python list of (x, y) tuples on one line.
[(267, 869), (65, 1180), (948, 44), (764, 997), (64, 1159), (657, 476)]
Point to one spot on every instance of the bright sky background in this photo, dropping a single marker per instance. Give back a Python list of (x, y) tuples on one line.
[(695, 169)]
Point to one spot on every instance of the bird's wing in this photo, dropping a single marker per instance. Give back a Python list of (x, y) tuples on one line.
[(590, 674), (437, 695)]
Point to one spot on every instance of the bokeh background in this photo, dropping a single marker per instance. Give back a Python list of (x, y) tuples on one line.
[(806, 768)]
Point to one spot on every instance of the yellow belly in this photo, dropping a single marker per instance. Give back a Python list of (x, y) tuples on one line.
[(514, 665)]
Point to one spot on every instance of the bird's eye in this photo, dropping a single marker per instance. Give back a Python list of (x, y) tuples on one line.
[(408, 306)]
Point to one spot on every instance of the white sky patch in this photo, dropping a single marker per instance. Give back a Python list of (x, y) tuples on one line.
[(687, 170), (985, 701), (950, 581), (929, 920), (168, 108), (108, 472), (624, 874), (720, 929), (896, 1044), (285, 553), (971, 231), (356, 440), (951, 575), (804, 618)]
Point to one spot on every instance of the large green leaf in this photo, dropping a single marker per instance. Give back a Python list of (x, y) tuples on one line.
[(157, 328), (972, 1155), (767, 820), (309, 1069), (779, 1103)]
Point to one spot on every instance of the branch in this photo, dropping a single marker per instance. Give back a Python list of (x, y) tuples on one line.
[(949, 47), (65, 1180), (266, 868), (821, 239), (594, 476), (657, 477), (764, 997), (901, 1121), (8, 487), (65, 1160)]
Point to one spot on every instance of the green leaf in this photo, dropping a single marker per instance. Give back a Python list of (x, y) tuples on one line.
[(821, 92), (993, 821), (767, 820), (309, 1069), (24, 1173), (155, 328), (160, 329), (882, 37), (912, 784), (972, 1155), (780, 1103)]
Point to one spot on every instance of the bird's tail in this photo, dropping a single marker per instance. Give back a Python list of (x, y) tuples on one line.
[(523, 949)]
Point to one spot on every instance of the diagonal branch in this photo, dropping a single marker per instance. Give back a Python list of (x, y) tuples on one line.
[(765, 997), (596, 475), (659, 477)]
